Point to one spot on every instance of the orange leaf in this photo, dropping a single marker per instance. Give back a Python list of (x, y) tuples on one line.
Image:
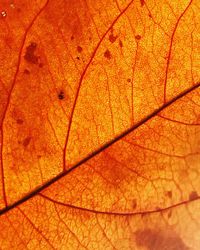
[(100, 116)]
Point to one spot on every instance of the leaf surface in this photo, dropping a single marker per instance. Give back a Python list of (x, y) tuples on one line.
[(100, 118)]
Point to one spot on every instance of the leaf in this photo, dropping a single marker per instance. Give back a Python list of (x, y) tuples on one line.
[(100, 123)]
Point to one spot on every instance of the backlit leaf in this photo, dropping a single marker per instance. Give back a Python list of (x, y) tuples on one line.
[(100, 124)]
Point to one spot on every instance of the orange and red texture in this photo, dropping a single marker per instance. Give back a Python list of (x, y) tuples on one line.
[(100, 124)]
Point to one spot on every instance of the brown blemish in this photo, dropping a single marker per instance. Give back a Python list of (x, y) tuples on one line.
[(169, 194), (112, 38), (18, 116), (193, 196), (79, 49), (19, 121), (30, 54), (26, 141), (107, 54), (26, 71), (61, 95), (142, 2), (134, 204), (128, 80), (120, 43), (157, 240), (169, 214), (138, 37)]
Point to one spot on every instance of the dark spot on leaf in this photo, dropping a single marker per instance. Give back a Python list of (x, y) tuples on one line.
[(138, 37), (19, 121), (61, 95), (128, 80), (79, 49), (72, 37), (30, 54), (157, 240), (78, 58), (169, 214), (134, 204), (193, 196), (120, 43), (107, 54), (112, 38), (26, 71), (169, 194), (26, 141), (142, 2)]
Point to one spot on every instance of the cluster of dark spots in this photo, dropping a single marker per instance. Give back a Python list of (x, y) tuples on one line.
[(107, 54), (61, 95), (79, 49), (193, 196), (112, 38), (138, 37), (30, 54)]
